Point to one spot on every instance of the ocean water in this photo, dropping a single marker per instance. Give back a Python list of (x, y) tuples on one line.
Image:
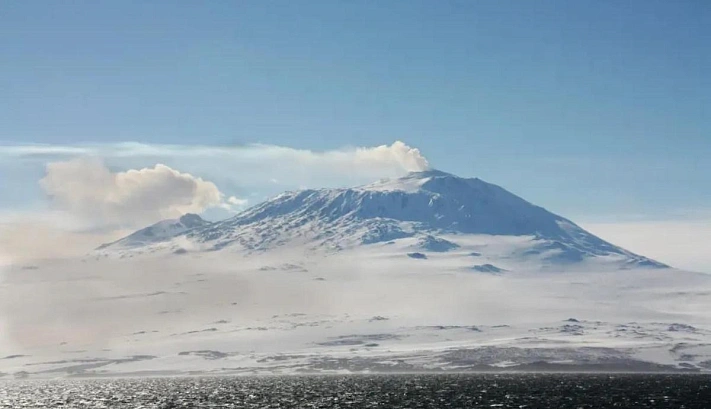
[(365, 391)]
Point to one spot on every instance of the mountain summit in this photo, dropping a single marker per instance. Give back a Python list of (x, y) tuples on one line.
[(435, 209)]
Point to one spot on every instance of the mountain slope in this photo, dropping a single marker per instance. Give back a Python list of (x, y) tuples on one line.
[(162, 231), (422, 205)]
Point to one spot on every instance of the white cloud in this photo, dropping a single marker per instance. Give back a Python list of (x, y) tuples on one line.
[(680, 243), (255, 161), (398, 157), (88, 190), (409, 158), (234, 201), (398, 153)]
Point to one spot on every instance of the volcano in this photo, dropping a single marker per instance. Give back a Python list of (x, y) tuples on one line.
[(432, 211)]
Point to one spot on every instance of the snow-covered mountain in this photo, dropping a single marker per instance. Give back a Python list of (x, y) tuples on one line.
[(437, 210), (160, 232), (429, 272)]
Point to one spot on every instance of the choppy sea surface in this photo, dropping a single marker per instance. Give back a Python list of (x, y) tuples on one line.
[(365, 391)]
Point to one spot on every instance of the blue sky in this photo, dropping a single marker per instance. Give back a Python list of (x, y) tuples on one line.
[(594, 109)]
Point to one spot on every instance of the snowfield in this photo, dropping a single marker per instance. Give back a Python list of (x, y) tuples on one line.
[(426, 273)]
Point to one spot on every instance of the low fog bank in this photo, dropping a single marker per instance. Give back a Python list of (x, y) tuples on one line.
[(96, 304)]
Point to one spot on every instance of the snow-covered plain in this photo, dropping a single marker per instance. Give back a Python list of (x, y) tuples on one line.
[(358, 280)]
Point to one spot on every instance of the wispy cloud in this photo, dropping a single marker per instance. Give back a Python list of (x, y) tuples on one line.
[(398, 155), (237, 170)]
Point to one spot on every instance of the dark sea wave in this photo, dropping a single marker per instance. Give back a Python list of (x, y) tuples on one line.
[(364, 391)]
